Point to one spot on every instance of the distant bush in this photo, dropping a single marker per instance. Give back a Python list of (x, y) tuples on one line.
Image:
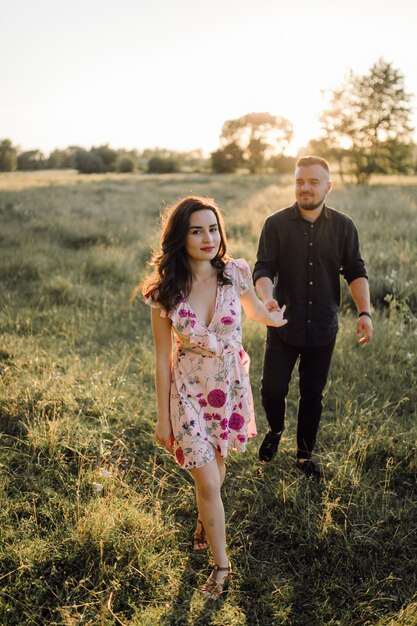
[(282, 164), (161, 165), (125, 165), (89, 162), (96, 161), (8, 156)]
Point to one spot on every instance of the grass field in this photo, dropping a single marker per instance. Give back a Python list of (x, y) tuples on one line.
[(96, 520)]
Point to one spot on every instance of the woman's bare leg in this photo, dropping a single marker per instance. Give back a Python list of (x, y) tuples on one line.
[(200, 539), (208, 481), (221, 464)]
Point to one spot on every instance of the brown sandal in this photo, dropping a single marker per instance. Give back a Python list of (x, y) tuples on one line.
[(200, 538), (213, 588)]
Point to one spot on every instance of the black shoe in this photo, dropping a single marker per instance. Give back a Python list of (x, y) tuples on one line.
[(309, 470), (269, 446)]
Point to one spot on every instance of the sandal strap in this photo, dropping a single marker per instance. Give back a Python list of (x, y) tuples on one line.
[(200, 536), (214, 588), (221, 569)]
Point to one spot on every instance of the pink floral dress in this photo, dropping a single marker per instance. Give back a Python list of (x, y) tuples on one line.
[(211, 398)]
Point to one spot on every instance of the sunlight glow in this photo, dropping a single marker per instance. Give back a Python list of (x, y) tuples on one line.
[(138, 78)]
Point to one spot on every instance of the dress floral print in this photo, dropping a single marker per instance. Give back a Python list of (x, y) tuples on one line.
[(211, 403)]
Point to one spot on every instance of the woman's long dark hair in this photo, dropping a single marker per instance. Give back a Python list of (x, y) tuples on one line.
[(171, 280)]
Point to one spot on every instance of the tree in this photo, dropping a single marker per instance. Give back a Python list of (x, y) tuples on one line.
[(328, 149), (258, 135), (228, 159), (395, 158), (31, 160), (8, 156), (107, 155), (63, 159), (368, 118)]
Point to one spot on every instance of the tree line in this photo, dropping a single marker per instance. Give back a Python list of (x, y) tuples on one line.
[(99, 159), (365, 129)]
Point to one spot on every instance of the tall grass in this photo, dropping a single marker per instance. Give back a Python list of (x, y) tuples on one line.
[(96, 521)]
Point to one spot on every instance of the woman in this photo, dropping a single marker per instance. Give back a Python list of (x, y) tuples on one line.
[(203, 391)]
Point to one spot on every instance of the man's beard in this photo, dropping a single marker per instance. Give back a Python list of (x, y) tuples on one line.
[(310, 206)]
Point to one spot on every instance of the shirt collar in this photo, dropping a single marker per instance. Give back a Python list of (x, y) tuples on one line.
[(295, 213)]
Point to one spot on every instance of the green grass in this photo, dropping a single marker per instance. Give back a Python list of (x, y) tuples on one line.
[(96, 521)]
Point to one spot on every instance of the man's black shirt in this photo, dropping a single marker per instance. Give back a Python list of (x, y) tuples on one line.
[(304, 260)]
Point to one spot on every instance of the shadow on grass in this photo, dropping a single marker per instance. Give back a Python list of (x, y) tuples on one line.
[(279, 582), (180, 607), (180, 611)]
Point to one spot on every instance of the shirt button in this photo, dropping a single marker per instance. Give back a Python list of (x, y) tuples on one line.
[(309, 321), (311, 282), (311, 225), (311, 263), (311, 244), (311, 302)]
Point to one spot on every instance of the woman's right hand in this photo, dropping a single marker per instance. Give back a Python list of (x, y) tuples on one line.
[(164, 434)]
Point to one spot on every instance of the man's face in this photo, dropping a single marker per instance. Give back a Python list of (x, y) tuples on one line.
[(312, 184)]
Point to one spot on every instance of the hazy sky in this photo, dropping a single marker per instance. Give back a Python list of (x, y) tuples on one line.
[(169, 73)]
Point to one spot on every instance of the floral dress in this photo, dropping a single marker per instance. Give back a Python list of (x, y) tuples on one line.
[(211, 403)]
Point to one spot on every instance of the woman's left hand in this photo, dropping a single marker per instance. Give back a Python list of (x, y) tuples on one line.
[(277, 317)]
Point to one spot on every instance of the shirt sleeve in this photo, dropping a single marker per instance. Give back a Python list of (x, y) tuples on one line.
[(266, 258), (353, 265), (243, 274), (155, 305)]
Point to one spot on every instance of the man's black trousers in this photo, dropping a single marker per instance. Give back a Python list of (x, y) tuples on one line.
[(314, 365)]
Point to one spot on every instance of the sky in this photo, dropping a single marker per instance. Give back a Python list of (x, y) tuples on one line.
[(139, 74)]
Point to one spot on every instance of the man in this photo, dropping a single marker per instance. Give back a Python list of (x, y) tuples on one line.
[(302, 251)]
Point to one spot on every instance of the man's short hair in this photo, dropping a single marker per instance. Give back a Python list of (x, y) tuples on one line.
[(313, 160)]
